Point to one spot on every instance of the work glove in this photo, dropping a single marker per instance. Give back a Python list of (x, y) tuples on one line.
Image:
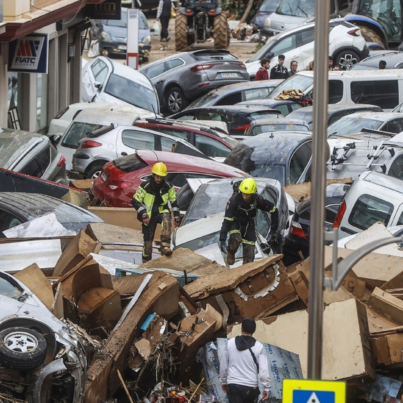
[(146, 219), (223, 247), (177, 221)]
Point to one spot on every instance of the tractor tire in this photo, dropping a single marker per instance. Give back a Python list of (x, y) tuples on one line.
[(181, 32), (370, 36), (221, 30)]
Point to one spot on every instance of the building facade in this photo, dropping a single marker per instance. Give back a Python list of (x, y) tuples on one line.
[(40, 31)]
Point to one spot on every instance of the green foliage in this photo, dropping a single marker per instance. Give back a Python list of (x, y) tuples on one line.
[(236, 8)]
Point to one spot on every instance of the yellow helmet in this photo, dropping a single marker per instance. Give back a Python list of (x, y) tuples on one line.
[(248, 186), (160, 169)]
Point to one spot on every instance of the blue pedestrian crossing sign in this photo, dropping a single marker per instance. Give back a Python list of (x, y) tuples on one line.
[(306, 391)]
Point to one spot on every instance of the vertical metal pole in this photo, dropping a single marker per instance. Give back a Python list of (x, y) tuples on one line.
[(320, 101)]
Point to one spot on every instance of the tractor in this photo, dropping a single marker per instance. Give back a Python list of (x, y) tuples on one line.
[(197, 21)]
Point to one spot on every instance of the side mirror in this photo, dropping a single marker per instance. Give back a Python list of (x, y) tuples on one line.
[(269, 55), (55, 138), (98, 85)]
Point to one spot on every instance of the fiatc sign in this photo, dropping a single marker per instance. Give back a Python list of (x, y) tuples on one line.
[(29, 54)]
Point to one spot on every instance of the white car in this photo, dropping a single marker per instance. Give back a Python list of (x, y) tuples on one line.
[(346, 46), (110, 82)]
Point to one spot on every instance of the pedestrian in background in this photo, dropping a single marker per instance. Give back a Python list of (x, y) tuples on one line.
[(310, 66), (382, 65), (241, 364), (330, 64), (293, 68), (279, 71), (164, 15), (263, 72)]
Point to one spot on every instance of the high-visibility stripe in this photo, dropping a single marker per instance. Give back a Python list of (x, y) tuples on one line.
[(234, 231), (229, 219), (273, 210), (248, 242)]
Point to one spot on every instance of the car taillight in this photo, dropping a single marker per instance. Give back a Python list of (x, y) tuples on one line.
[(61, 162), (189, 12), (90, 144), (354, 32), (242, 128), (339, 216), (296, 229), (200, 67), (242, 66), (119, 184)]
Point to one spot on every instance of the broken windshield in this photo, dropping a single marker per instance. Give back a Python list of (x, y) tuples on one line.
[(297, 82), (347, 126)]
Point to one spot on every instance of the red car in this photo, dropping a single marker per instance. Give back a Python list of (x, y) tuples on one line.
[(120, 178)]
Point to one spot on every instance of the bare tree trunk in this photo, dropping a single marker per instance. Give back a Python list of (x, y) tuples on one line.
[(245, 14)]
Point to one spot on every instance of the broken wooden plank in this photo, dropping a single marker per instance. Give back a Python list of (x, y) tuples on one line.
[(387, 305)]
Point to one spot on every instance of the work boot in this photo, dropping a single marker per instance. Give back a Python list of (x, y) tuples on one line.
[(165, 251), (248, 253), (230, 258), (163, 39)]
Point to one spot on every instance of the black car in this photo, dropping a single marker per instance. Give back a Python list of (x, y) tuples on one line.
[(232, 94), (285, 156), (285, 106), (17, 208), (297, 239), (237, 117), (334, 112), (394, 60), (186, 76)]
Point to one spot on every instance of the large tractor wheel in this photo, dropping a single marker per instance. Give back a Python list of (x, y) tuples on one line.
[(370, 36), (181, 32), (221, 38)]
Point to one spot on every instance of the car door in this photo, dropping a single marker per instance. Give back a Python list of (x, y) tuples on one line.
[(396, 169), (94, 77), (305, 47), (156, 74), (287, 46), (130, 140), (299, 161)]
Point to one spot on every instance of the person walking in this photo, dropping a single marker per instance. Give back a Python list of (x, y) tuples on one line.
[(164, 15), (263, 72), (241, 364), (239, 221), (293, 68), (151, 202), (279, 71)]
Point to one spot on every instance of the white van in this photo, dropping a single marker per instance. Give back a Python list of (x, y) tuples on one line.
[(372, 197), (383, 88)]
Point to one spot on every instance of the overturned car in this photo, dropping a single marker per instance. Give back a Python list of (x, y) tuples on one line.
[(41, 358)]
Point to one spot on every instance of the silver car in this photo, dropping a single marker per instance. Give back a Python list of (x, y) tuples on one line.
[(105, 145), (31, 154), (40, 355)]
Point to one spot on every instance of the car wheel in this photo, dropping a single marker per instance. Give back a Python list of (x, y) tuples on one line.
[(22, 348), (95, 171), (347, 59), (175, 100)]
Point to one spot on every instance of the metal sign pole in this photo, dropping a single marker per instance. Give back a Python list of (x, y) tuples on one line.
[(319, 153)]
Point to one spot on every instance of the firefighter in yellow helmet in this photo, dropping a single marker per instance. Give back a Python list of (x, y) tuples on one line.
[(239, 221), (151, 202)]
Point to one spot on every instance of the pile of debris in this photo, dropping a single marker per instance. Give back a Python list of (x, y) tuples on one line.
[(112, 329)]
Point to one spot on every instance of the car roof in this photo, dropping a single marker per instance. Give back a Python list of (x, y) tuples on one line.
[(279, 121), (246, 85), (386, 181), (34, 205), (196, 164), (339, 107), (374, 115), (267, 145), (391, 59)]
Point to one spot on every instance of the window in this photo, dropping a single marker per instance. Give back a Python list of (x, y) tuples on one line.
[(38, 165), (77, 132), (335, 91), (263, 220), (284, 45), (167, 144), (230, 99), (156, 70), (381, 93), (205, 115), (256, 93), (172, 132), (299, 161), (368, 210), (295, 106), (100, 71), (283, 109), (210, 146), (306, 36), (171, 64), (143, 24), (138, 140), (8, 220), (394, 126), (331, 212), (396, 169), (400, 222)]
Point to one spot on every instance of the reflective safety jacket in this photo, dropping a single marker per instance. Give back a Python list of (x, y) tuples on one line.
[(143, 199), (244, 212)]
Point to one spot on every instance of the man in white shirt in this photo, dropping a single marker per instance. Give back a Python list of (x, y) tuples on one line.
[(241, 364)]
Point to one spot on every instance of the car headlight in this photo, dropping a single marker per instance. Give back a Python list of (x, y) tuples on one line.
[(106, 36), (267, 22), (147, 39)]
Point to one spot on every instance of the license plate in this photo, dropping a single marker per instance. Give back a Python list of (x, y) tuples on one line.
[(229, 74), (122, 47), (104, 176)]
